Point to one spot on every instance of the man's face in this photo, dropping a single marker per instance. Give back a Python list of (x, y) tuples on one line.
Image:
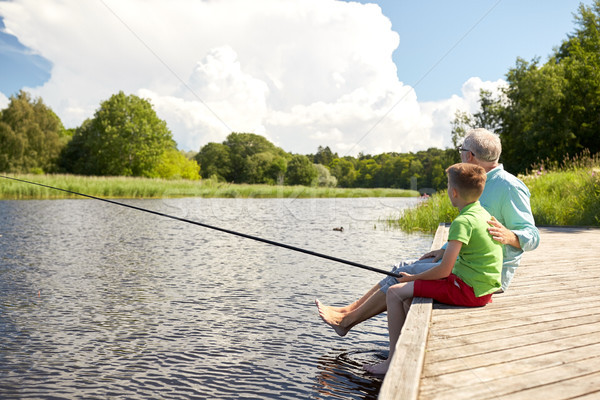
[(465, 155)]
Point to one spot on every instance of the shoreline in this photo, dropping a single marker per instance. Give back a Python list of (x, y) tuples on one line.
[(152, 188)]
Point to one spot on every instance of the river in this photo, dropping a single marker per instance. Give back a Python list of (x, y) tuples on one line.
[(101, 301)]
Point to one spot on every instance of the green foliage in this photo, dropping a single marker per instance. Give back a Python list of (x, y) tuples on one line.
[(565, 194), (489, 117), (325, 179), (568, 194), (343, 170), (547, 110), (427, 215), (301, 171), (31, 136), (214, 160), (175, 165), (125, 138), (324, 156), (243, 167), (266, 167)]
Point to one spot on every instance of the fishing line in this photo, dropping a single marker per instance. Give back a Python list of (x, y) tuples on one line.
[(244, 235)]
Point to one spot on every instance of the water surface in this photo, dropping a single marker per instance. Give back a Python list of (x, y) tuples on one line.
[(101, 301)]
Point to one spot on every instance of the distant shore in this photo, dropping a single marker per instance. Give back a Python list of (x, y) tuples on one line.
[(133, 187)]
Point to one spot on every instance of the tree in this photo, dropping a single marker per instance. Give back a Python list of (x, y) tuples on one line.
[(125, 137), (324, 156), (325, 179), (549, 111), (301, 171), (214, 160), (265, 167), (489, 117), (344, 171), (367, 170), (242, 146), (175, 165), (31, 136)]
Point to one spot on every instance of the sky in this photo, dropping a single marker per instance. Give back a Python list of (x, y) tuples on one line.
[(368, 76)]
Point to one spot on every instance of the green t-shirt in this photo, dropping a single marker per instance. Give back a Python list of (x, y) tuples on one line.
[(479, 262)]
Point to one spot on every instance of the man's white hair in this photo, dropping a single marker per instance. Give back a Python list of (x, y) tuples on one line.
[(484, 144)]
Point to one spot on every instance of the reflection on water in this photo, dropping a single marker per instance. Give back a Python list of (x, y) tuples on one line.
[(102, 301)]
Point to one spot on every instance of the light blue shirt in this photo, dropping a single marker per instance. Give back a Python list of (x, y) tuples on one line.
[(507, 199)]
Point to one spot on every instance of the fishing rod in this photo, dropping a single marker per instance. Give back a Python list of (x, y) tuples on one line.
[(244, 235)]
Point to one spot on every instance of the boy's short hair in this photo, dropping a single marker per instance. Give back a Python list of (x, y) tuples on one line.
[(468, 179)]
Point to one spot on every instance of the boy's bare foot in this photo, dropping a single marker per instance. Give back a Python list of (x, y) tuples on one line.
[(332, 318), (378, 369)]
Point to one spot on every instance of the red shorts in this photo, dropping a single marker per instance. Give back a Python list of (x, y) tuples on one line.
[(451, 290)]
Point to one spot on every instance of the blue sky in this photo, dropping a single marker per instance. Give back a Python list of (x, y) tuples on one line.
[(303, 73), (461, 39), (18, 67)]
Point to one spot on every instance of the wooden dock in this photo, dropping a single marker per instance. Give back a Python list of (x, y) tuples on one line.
[(539, 340)]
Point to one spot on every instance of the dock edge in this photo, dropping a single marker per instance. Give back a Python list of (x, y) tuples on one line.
[(404, 375)]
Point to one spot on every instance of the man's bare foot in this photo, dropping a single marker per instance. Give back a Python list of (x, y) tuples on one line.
[(378, 369), (332, 318)]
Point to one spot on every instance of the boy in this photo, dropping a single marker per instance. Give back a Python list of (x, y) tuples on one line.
[(470, 270)]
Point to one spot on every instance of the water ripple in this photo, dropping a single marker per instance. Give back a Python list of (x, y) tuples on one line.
[(97, 303)]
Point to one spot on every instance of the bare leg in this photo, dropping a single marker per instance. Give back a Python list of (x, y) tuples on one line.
[(343, 322), (357, 303), (396, 302)]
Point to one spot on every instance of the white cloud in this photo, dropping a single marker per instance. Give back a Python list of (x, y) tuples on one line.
[(303, 73), (3, 101)]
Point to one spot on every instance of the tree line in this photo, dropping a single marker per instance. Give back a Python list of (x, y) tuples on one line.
[(545, 113), (125, 137), (250, 158)]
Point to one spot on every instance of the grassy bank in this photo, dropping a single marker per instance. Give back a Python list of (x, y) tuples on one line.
[(564, 195), (128, 187)]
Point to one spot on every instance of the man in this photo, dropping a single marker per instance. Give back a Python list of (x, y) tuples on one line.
[(505, 197)]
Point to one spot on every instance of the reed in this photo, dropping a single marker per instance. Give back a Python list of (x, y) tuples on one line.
[(566, 194), (562, 194), (130, 187), (425, 216)]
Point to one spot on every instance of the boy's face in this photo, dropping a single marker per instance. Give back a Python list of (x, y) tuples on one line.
[(452, 193)]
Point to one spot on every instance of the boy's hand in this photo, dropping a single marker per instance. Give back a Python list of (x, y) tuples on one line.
[(435, 254), (406, 277), (501, 234)]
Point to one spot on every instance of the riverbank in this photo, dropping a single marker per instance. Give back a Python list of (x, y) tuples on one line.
[(133, 187)]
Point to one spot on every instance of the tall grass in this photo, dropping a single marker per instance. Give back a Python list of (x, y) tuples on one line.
[(427, 215), (562, 194), (129, 187), (566, 193)]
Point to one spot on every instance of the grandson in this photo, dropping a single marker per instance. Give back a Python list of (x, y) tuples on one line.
[(470, 271)]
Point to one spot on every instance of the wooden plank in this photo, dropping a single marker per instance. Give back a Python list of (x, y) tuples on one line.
[(403, 376), (538, 340), (472, 374), (557, 382)]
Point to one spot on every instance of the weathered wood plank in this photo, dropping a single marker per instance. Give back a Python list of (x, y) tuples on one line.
[(538, 340), (403, 377)]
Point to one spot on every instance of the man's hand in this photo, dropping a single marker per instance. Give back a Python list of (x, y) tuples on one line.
[(435, 254), (503, 235)]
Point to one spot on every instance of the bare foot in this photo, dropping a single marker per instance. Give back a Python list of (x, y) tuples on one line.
[(332, 318), (378, 369)]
